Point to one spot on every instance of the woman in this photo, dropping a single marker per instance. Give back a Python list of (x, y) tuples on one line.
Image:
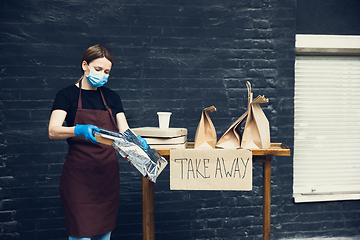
[(89, 185)]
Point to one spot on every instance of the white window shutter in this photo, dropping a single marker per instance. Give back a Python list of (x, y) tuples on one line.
[(327, 128)]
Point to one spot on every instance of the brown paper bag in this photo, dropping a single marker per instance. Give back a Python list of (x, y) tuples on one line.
[(257, 131), (232, 137), (205, 136)]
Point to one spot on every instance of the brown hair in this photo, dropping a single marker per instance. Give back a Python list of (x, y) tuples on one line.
[(95, 52)]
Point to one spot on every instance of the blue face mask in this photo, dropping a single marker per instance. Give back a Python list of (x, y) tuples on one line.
[(97, 79)]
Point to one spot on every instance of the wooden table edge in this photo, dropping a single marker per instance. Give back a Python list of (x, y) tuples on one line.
[(276, 149)]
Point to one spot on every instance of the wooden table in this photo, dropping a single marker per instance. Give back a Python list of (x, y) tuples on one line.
[(259, 155)]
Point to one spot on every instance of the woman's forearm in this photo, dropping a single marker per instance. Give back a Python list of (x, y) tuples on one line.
[(122, 122), (60, 132), (56, 128)]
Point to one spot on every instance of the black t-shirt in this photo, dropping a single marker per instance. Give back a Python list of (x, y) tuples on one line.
[(67, 100)]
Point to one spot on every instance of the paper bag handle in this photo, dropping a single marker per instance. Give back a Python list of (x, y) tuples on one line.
[(211, 108), (248, 85), (250, 94)]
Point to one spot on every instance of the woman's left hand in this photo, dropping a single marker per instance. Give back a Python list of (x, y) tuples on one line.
[(143, 142)]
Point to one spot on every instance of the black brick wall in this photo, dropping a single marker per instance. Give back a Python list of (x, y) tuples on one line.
[(331, 17), (178, 56)]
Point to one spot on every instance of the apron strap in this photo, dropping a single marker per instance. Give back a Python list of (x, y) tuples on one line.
[(79, 101), (108, 109)]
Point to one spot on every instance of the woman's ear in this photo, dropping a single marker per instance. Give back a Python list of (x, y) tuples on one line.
[(84, 65)]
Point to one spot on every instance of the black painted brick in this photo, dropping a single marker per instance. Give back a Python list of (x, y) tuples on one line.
[(179, 56)]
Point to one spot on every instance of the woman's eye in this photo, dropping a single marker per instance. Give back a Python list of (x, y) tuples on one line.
[(98, 69)]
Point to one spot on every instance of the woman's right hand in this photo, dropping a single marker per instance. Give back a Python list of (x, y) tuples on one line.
[(87, 131)]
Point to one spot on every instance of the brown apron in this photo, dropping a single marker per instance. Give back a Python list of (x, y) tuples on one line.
[(89, 185)]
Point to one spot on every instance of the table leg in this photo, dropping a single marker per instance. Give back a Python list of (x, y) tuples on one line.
[(148, 209), (266, 197), (148, 202)]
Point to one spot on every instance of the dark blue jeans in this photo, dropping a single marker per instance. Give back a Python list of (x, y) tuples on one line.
[(105, 236)]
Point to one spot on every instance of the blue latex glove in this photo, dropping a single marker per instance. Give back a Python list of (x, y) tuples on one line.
[(143, 142), (87, 131)]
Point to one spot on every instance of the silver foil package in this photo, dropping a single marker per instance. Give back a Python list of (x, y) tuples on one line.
[(148, 162)]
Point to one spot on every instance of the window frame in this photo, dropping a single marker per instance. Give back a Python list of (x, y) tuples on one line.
[(324, 45)]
